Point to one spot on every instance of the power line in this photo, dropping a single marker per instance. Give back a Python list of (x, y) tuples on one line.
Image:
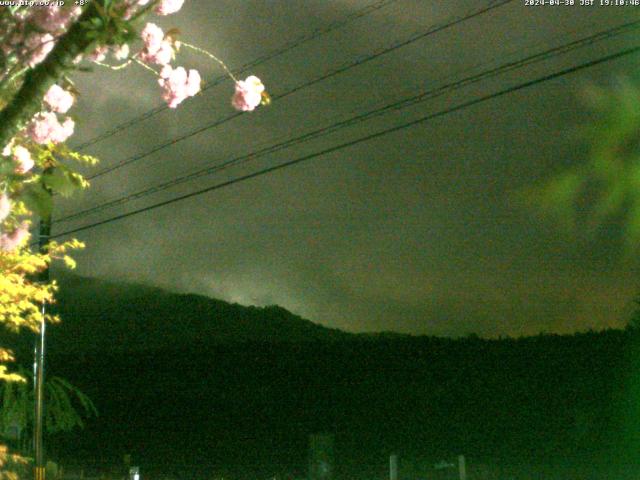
[(358, 140), (254, 63), (414, 38), (403, 103)]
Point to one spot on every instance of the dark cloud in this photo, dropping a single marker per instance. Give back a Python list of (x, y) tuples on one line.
[(417, 231)]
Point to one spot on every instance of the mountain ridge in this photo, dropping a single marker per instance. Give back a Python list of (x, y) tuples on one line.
[(100, 315)]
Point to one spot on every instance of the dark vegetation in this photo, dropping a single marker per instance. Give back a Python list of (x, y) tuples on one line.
[(190, 385)]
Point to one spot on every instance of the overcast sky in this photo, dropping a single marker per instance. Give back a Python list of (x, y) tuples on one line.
[(416, 231)]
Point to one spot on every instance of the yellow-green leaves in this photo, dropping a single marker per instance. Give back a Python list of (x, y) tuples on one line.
[(37, 199), (63, 181)]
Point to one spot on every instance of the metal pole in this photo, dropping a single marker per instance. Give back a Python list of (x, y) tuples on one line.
[(393, 467), (39, 466), (462, 467)]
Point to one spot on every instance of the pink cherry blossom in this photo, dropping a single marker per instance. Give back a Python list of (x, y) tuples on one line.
[(12, 240), (152, 35), (130, 10), (156, 49), (41, 127), (23, 159), (5, 206), (99, 54), (121, 52), (54, 18), (162, 56), (58, 99), (248, 94), (167, 7), (45, 128), (64, 131), (177, 84), (38, 46)]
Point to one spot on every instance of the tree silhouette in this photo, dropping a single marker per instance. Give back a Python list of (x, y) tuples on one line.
[(66, 407)]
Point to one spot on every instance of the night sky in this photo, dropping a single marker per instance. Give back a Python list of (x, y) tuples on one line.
[(418, 231)]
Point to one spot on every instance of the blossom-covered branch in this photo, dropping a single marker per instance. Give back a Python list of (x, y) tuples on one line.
[(39, 49), (27, 101)]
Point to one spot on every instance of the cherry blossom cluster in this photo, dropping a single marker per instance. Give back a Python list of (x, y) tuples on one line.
[(176, 83), (9, 241), (22, 164), (248, 94), (54, 18), (20, 156), (156, 48), (33, 32), (45, 126), (27, 36)]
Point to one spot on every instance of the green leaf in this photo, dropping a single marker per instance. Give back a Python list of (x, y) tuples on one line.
[(7, 167), (93, 34), (61, 181), (37, 199), (96, 22)]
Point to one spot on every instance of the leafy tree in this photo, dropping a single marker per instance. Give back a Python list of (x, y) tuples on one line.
[(39, 49), (66, 408)]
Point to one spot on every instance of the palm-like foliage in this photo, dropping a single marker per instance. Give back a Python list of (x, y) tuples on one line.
[(65, 407)]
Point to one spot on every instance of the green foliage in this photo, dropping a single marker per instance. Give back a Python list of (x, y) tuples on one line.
[(37, 199), (67, 407), (29, 190), (62, 180), (109, 27), (607, 186)]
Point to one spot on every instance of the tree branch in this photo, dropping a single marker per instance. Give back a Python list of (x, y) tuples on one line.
[(27, 101)]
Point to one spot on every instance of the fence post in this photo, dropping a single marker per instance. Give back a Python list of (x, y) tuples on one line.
[(393, 467), (462, 467)]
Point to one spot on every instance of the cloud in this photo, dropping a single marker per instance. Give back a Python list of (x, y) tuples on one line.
[(416, 231)]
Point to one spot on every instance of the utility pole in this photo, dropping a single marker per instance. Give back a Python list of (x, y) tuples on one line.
[(38, 365)]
